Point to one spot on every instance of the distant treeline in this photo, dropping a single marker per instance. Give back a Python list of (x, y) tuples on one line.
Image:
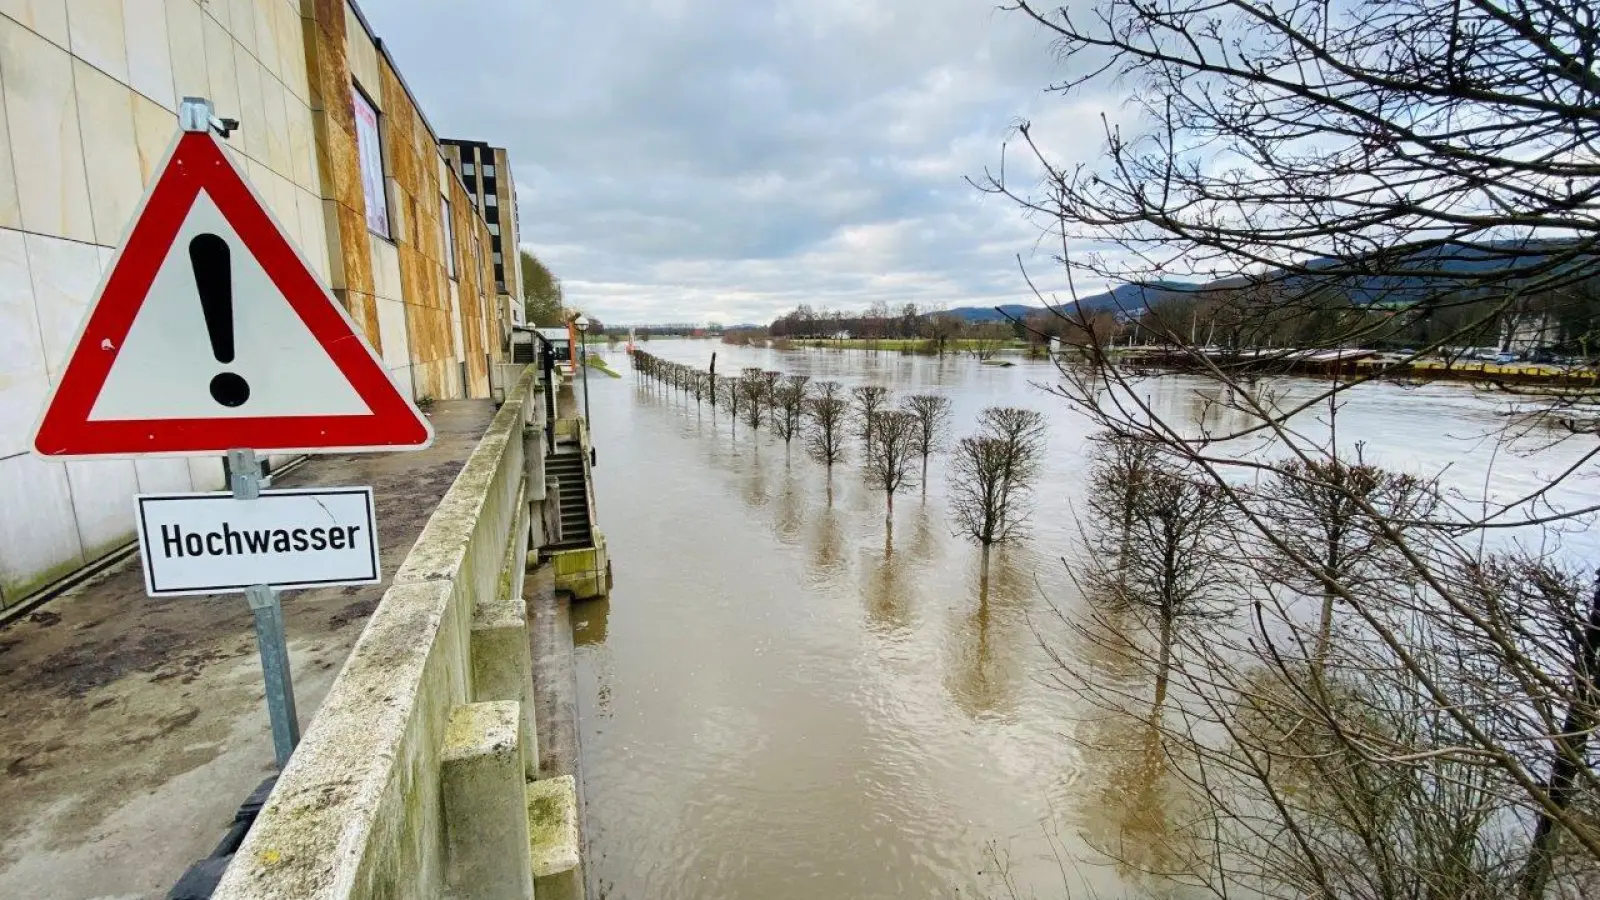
[(1564, 322), (879, 323)]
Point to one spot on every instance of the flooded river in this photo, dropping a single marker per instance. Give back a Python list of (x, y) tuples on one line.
[(784, 698)]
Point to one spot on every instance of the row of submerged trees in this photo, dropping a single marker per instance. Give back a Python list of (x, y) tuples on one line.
[(1354, 703), (1436, 737), (992, 472)]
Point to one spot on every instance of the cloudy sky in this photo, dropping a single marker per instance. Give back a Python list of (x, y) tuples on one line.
[(725, 160)]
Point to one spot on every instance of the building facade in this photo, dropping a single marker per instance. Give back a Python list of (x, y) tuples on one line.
[(329, 136)]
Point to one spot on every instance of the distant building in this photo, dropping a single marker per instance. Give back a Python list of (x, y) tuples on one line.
[(486, 171)]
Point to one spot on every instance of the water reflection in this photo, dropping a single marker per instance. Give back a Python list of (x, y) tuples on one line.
[(753, 486), (1131, 802), (924, 536), (790, 508), (827, 557), (979, 679), (1132, 812), (887, 592)]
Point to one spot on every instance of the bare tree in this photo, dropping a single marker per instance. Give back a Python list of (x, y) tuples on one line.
[(769, 390), (1321, 511), (985, 341), (939, 326), (732, 390), (1023, 432), (892, 454), (1121, 465), (753, 396), (826, 412), (992, 475), (1333, 176), (933, 418), (789, 400), (867, 401), (1177, 571)]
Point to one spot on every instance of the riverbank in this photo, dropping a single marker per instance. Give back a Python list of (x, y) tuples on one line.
[(906, 345), (1367, 365)]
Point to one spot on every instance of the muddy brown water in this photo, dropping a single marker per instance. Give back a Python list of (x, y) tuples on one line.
[(784, 698)]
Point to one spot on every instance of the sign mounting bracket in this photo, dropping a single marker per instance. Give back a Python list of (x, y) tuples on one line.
[(196, 114)]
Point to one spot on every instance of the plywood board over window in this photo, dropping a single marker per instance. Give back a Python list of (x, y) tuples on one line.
[(369, 147)]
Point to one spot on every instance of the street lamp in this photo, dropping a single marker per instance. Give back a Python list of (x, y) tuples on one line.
[(583, 338)]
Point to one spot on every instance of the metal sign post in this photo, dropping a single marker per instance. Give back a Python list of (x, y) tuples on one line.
[(245, 480)]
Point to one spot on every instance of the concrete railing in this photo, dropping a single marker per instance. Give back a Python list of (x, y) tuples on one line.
[(414, 779)]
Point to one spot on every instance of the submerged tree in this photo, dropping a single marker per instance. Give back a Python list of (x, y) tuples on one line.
[(992, 474), (827, 414), (1022, 432), (732, 390), (769, 391), (1416, 173), (867, 400), (933, 418), (753, 396), (1175, 569), (892, 455), (1121, 465), (789, 400), (984, 342), (1335, 513)]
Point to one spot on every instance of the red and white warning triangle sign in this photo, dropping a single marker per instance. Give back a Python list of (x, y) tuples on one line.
[(210, 333)]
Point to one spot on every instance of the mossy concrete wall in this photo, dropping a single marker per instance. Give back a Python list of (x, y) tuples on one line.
[(358, 812)]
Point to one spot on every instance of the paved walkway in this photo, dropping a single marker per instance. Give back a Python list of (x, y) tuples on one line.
[(131, 728)]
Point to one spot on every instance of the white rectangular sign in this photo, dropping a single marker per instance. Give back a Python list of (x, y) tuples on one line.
[(298, 538)]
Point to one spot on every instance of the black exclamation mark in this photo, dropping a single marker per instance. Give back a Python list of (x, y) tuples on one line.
[(213, 279)]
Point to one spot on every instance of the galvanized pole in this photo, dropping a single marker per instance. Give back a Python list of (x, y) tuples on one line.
[(583, 337), (245, 480)]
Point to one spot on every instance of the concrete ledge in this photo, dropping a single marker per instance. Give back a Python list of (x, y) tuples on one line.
[(553, 838), (481, 768), (357, 812), (347, 816)]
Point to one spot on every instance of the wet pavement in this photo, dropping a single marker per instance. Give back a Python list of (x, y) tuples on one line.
[(131, 728)]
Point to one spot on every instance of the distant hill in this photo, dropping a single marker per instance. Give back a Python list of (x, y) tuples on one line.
[(1127, 298), (993, 313), (1437, 269), (1131, 298)]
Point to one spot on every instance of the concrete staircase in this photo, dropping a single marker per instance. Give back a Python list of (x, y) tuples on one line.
[(566, 466)]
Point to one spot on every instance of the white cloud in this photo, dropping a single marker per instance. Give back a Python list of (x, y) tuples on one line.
[(721, 159)]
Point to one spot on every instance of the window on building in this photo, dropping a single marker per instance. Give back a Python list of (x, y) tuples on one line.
[(488, 170), (449, 249), (490, 200), (494, 229), (369, 148), (468, 169), (497, 259)]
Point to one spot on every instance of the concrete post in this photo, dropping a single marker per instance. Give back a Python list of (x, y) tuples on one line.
[(553, 826), (485, 804), (502, 665)]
